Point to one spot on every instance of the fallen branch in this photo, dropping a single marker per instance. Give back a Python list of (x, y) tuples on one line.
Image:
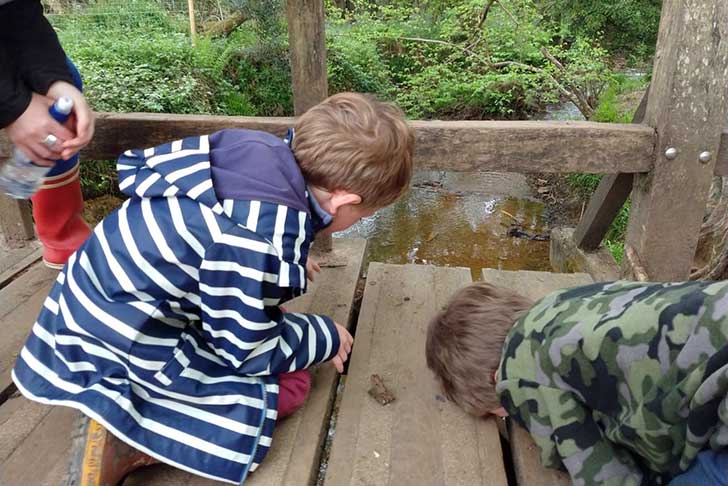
[(506, 213), (513, 18), (551, 58), (224, 27), (484, 15), (445, 43)]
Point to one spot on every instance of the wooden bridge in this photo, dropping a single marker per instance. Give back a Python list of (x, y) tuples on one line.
[(419, 438)]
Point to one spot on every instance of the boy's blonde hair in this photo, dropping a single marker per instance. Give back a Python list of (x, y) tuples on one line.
[(354, 142), (465, 343)]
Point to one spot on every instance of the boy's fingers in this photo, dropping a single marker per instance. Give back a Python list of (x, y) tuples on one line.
[(337, 364)]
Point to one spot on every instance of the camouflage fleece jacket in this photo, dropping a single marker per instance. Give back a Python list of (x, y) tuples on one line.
[(621, 383)]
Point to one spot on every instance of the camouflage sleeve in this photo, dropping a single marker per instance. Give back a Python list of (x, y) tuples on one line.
[(568, 436)]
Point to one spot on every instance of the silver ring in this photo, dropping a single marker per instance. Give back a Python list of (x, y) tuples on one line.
[(50, 141)]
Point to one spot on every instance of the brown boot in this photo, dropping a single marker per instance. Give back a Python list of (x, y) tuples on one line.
[(101, 458)]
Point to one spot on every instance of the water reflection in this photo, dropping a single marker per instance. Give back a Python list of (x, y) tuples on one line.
[(461, 220)]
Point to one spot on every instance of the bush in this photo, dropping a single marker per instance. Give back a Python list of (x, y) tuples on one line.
[(626, 26)]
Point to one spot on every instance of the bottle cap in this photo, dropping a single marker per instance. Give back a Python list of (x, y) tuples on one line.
[(64, 105)]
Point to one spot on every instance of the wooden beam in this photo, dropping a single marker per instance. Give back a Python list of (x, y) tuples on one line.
[(721, 164), (514, 146), (607, 200), (307, 47), (605, 203), (687, 106)]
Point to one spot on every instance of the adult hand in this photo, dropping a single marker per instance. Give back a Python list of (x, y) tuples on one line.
[(32, 127), (346, 341), (81, 120)]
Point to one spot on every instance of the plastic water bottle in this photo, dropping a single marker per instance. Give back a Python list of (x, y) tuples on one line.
[(20, 177)]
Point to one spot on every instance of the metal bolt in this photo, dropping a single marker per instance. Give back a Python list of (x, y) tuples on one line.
[(671, 153), (705, 157)]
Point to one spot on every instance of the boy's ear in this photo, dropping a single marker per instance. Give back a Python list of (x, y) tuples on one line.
[(341, 197)]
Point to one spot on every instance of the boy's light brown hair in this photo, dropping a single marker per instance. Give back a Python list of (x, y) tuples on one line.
[(465, 342), (355, 143)]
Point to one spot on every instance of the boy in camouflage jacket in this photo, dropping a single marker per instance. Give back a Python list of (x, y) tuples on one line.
[(619, 383)]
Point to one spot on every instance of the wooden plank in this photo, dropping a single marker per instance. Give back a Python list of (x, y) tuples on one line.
[(525, 453), (307, 48), (16, 221), (15, 260), (20, 304), (510, 146), (419, 439), (36, 437), (18, 418), (297, 442), (607, 200), (687, 106)]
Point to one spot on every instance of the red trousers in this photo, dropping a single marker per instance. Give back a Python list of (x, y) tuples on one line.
[(293, 391)]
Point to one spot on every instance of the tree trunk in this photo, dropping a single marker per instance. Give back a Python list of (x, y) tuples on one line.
[(711, 256)]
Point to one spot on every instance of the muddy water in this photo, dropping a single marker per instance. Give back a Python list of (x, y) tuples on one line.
[(459, 220)]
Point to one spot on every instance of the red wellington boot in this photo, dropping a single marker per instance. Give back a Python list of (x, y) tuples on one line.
[(57, 210)]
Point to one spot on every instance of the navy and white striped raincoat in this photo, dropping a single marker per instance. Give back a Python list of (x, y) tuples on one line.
[(164, 326)]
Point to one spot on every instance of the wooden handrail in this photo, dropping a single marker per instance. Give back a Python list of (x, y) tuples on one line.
[(514, 146)]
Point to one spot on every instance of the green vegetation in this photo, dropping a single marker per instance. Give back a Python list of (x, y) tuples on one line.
[(440, 59)]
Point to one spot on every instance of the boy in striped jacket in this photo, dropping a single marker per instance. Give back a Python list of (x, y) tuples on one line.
[(166, 326)]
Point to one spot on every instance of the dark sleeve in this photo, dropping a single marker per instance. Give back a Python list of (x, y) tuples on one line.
[(14, 95), (32, 58)]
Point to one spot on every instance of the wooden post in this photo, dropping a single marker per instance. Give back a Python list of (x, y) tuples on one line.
[(16, 222), (687, 106), (307, 41), (607, 200), (193, 27)]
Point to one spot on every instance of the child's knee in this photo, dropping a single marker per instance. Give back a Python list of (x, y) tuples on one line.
[(293, 390)]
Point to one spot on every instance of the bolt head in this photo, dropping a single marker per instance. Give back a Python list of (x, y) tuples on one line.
[(705, 157), (671, 153)]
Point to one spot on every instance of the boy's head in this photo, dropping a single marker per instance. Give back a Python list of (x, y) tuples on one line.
[(465, 342), (357, 152)]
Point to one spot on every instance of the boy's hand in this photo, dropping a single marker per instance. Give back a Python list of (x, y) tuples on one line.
[(346, 341), (311, 267)]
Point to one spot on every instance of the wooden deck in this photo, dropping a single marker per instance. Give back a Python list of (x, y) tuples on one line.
[(418, 439)]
